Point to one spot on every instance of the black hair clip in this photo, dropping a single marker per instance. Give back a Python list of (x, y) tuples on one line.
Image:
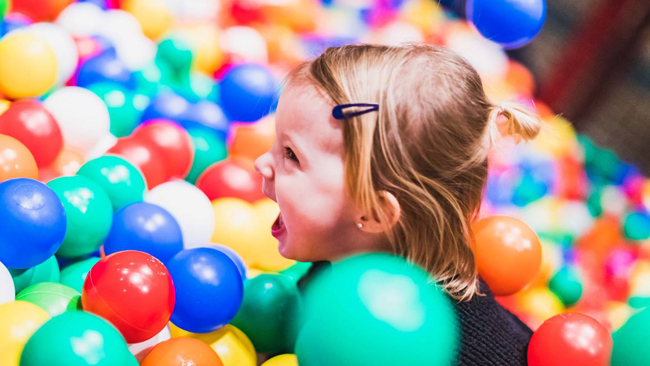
[(338, 113)]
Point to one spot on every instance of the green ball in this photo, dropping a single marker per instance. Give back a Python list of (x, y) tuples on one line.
[(121, 180), (54, 298), (631, 341), (637, 226), (269, 306), (567, 286), (297, 271), (89, 214), (75, 274), (208, 149), (152, 78), (124, 106), (176, 52), (77, 338), (47, 271), (4, 7), (376, 309)]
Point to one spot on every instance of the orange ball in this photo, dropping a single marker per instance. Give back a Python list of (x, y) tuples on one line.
[(15, 160), (251, 141), (508, 253), (182, 351)]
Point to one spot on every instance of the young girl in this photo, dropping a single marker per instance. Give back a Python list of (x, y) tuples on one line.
[(403, 173)]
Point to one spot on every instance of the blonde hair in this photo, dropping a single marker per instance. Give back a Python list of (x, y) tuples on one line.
[(427, 145)]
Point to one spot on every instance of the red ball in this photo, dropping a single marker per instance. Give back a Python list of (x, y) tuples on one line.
[(145, 155), (229, 179), (571, 339), (174, 142), (132, 290), (40, 10), (30, 123)]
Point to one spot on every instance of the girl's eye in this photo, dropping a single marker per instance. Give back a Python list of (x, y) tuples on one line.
[(289, 154)]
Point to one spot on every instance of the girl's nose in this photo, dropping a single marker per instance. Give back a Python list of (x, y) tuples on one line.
[(263, 165)]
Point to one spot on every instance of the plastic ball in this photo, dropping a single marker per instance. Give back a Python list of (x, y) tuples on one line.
[(252, 141), (147, 228), (142, 349), (230, 343), (124, 106), (18, 321), (4, 6), (7, 288), (166, 106), (189, 206), (77, 338), (176, 52), (54, 298), (30, 123), (47, 271), (75, 274), (208, 115), (511, 23), (270, 305), (247, 92), (237, 227), (89, 214), (32, 214), (630, 340), (182, 351), (82, 116), (576, 338), (64, 48), (635, 226), (419, 319), (209, 287), (154, 17), (239, 261), (27, 66), (228, 178), (134, 291), (145, 155), (122, 181), (104, 67), (567, 286), (282, 360), (269, 258), (208, 149), (539, 303), (174, 142), (16, 161), (39, 10), (508, 253)]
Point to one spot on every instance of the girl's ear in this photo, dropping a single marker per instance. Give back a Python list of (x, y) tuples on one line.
[(372, 223)]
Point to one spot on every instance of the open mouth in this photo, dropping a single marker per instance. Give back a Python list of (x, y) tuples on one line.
[(278, 226)]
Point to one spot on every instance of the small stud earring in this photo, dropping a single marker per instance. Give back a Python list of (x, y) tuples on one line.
[(359, 225)]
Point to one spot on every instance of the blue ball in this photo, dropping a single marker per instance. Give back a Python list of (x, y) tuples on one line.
[(209, 289), (32, 223), (12, 23), (206, 114), (247, 92), (167, 105), (145, 227), (232, 254), (105, 67), (511, 23)]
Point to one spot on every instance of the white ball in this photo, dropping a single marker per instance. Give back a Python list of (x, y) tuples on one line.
[(136, 51), (245, 44), (81, 19), (189, 206), (63, 46), (142, 349), (487, 57), (7, 289), (82, 116)]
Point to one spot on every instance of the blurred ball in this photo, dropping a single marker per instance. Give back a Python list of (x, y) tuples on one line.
[(18, 321), (511, 23), (75, 274), (540, 303), (7, 288), (76, 338), (630, 340), (173, 141), (122, 182), (385, 297), (508, 253), (47, 271), (252, 141), (636, 225), (247, 92), (147, 228), (16, 161), (168, 106), (576, 340), (40, 10), (134, 291), (81, 18), (182, 351), (104, 67), (154, 16), (30, 123), (237, 227), (54, 298), (282, 360), (567, 286), (208, 149), (63, 46), (33, 215), (189, 206), (27, 66), (230, 343), (124, 106), (228, 178), (144, 155), (88, 212), (81, 115), (209, 287), (208, 115)]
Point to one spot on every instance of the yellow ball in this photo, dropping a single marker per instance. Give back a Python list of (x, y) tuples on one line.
[(269, 257), (18, 321), (27, 66), (153, 15), (10, 355), (230, 343), (282, 360), (540, 303), (4, 105)]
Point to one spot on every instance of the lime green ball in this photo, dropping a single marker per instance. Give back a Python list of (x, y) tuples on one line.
[(208, 149), (376, 309), (566, 284), (637, 226), (89, 214), (124, 106), (47, 271), (75, 274), (631, 341), (77, 338), (54, 298), (4, 7), (121, 180), (269, 306)]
